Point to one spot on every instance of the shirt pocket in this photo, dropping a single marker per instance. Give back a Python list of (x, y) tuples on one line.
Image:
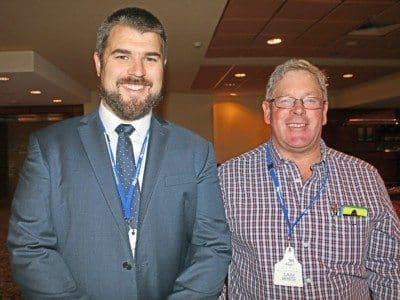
[(349, 238)]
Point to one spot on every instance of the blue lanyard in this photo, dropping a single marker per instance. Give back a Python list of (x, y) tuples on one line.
[(127, 199), (278, 190)]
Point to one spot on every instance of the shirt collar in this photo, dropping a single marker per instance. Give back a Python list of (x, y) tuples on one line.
[(323, 151), (111, 121), (277, 159)]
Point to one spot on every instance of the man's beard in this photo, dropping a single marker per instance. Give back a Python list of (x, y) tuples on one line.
[(130, 109)]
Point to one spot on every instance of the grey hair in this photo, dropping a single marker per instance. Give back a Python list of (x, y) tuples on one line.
[(296, 64), (137, 18)]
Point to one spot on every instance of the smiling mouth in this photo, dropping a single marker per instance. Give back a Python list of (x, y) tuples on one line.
[(133, 84), (134, 87), (296, 125)]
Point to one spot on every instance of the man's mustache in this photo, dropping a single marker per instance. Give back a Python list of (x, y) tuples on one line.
[(136, 81)]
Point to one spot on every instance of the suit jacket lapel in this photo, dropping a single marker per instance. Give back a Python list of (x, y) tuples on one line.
[(94, 143), (156, 153)]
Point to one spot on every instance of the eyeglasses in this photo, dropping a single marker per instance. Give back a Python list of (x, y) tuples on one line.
[(308, 102)]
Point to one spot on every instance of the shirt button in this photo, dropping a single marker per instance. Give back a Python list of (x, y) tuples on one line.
[(306, 244), (309, 280), (127, 265)]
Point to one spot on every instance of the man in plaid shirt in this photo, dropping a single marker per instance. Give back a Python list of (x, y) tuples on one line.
[(307, 221)]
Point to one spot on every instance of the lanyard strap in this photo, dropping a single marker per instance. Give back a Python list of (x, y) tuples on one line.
[(278, 190), (128, 198)]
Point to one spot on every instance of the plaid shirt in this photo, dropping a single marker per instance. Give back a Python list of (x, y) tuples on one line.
[(343, 257)]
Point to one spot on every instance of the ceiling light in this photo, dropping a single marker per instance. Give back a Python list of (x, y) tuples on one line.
[(28, 118), (274, 41), (35, 92), (4, 78), (229, 84), (54, 117), (57, 100), (348, 75), (197, 44), (233, 94), (240, 75), (39, 117)]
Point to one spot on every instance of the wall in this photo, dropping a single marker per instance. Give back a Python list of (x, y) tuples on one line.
[(88, 107), (238, 126), (233, 125), (193, 111)]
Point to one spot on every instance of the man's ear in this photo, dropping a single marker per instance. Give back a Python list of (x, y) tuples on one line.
[(97, 63), (325, 113), (267, 112)]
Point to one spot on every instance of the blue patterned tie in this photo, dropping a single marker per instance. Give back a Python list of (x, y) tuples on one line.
[(125, 160)]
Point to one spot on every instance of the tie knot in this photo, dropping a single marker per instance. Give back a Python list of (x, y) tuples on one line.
[(126, 129)]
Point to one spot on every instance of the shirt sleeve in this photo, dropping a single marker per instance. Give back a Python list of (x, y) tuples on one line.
[(383, 257)]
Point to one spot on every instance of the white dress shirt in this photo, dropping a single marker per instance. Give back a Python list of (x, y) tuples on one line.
[(110, 122)]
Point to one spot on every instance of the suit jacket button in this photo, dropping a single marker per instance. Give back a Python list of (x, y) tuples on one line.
[(127, 265)]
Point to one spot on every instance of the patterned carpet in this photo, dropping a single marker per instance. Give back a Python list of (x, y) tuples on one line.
[(8, 289)]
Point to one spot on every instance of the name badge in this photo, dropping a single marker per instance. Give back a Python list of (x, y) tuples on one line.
[(288, 271)]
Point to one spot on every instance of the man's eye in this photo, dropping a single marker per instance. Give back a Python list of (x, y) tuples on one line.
[(123, 57), (310, 100), (284, 100), (151, 58)]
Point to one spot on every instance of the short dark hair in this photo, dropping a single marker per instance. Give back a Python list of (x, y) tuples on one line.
[(137, 18)]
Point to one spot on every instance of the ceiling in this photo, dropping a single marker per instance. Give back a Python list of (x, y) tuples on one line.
[(48, 45)]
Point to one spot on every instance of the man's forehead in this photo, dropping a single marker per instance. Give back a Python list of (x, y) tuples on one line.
[(294, 80), (304, 75), (122, 34)]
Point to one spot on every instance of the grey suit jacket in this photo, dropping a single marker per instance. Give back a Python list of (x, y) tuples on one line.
[(67, 237)]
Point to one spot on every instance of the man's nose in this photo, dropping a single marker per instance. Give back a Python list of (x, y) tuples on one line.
[(136, 68), (298, 106)]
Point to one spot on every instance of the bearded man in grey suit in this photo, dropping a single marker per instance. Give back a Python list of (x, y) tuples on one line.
[(78, 231)]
